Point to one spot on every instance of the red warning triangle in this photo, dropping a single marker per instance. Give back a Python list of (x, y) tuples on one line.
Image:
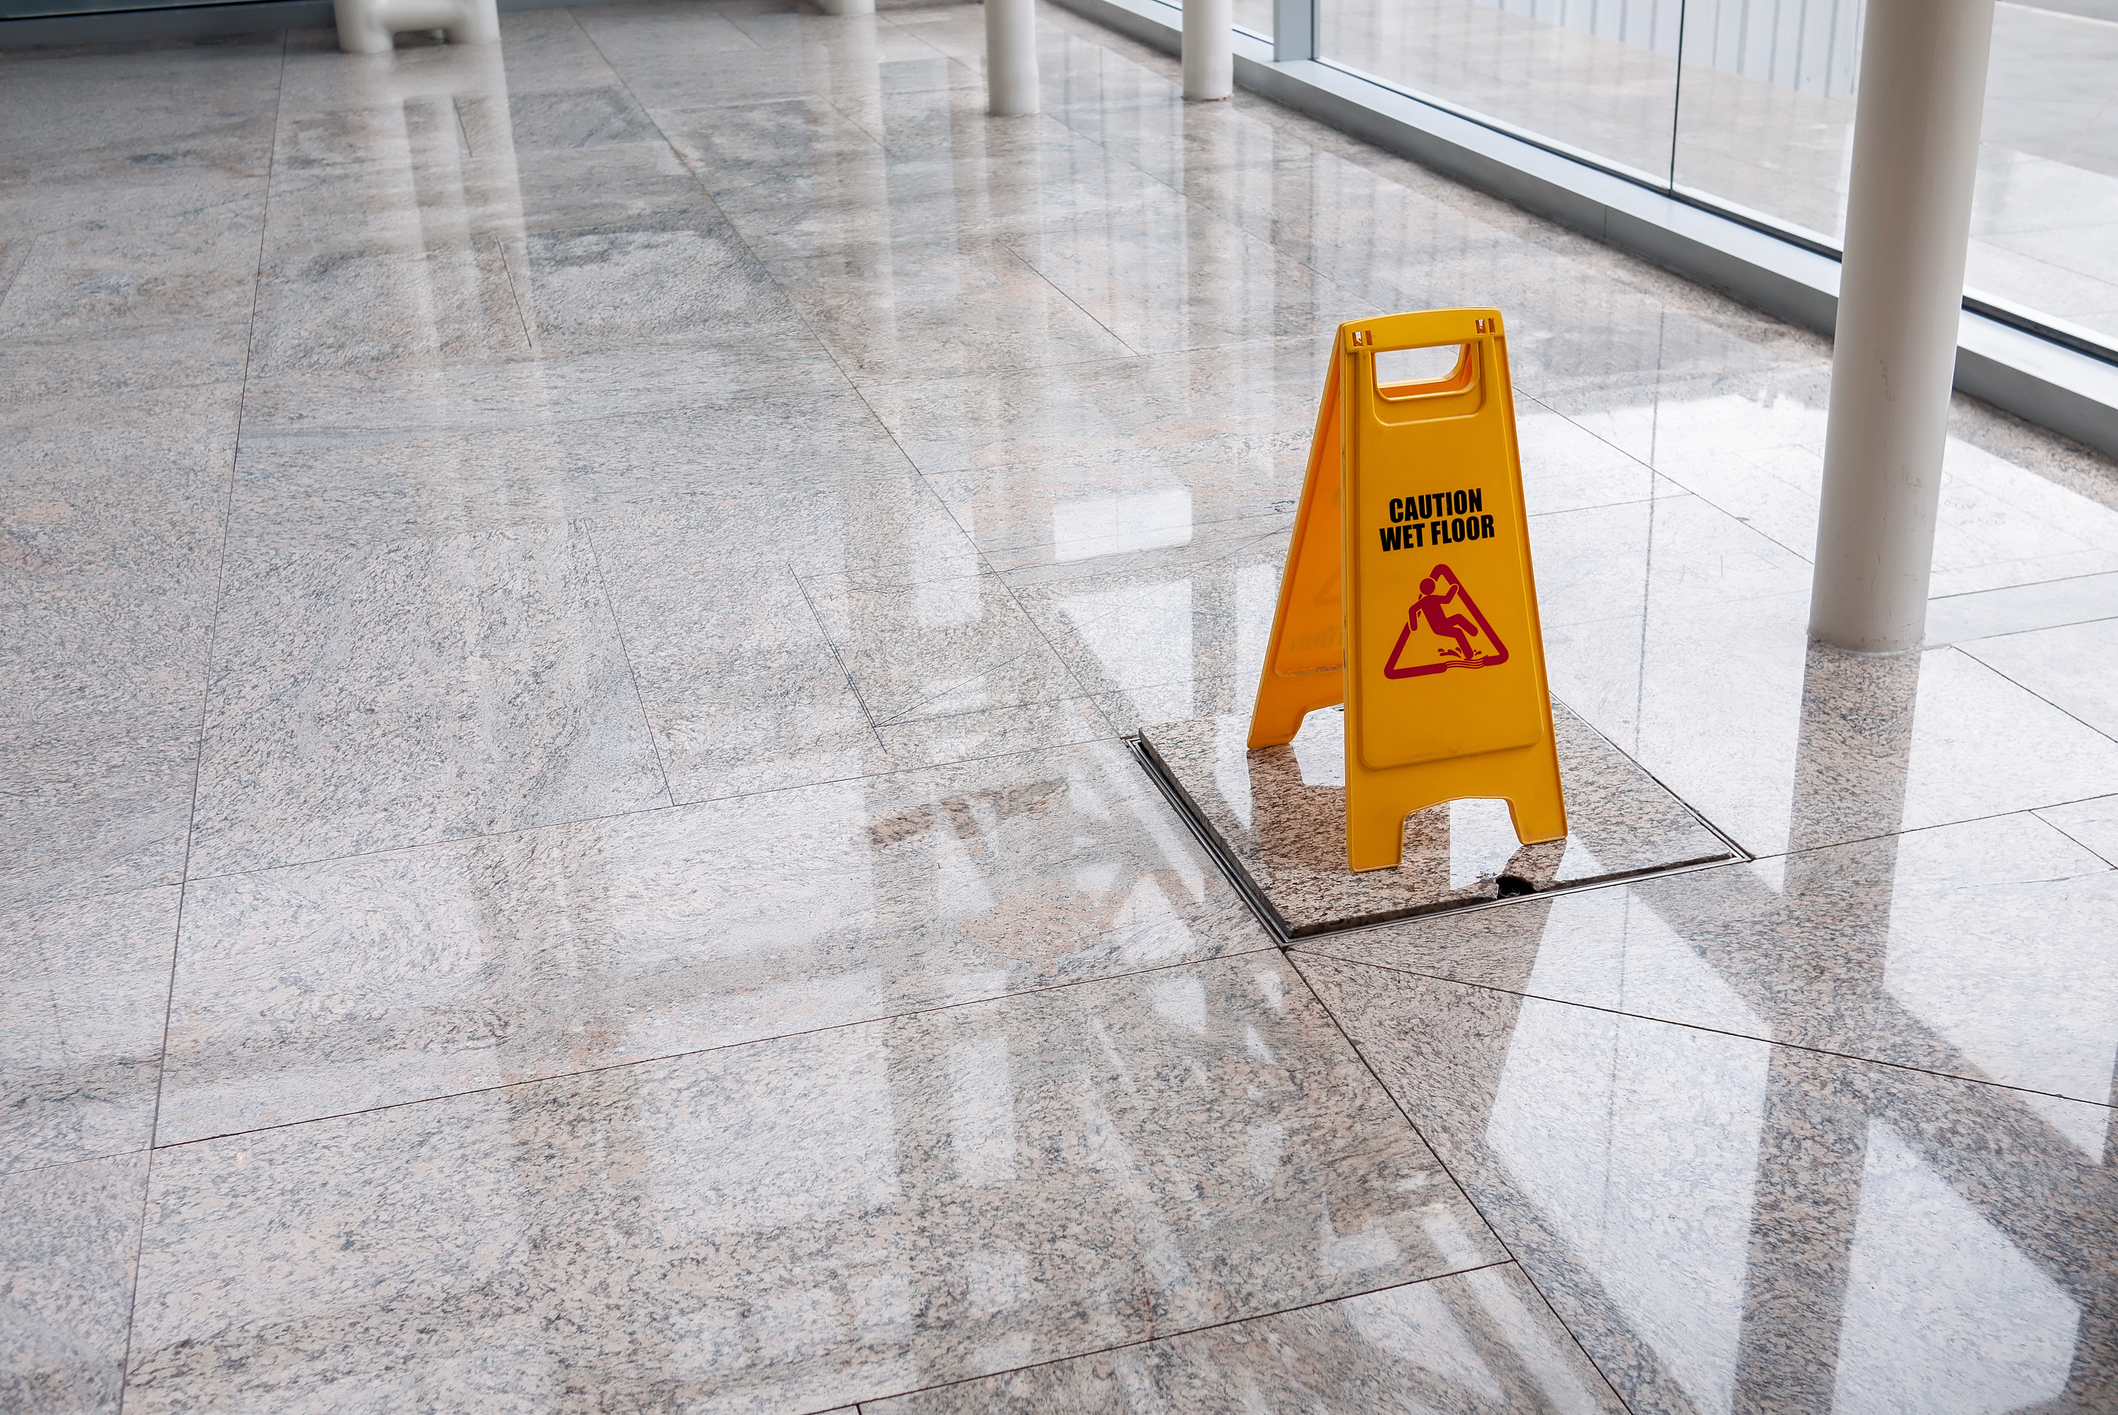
[(1438, 636)]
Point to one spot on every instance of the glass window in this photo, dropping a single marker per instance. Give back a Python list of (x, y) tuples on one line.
[(2044, 226), (1255, 16), (1765, 109), (1595, 76)]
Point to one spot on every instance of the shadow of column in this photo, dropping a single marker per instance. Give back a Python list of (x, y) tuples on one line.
[(1851, 761)]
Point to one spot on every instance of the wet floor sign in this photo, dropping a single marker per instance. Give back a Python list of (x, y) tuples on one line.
[(1414, 500)]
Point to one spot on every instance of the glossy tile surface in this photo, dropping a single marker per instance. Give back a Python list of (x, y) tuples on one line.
[(319, 989), (376, 694), (1281, 812), (1727, 1224), (67, 1256), (1475, 1341), (1785, 746), (83, 986), (799, 1223), (566, 611), (1977, 950)]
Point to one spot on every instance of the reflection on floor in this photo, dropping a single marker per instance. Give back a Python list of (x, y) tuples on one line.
[(1277, 819), (565, 844)]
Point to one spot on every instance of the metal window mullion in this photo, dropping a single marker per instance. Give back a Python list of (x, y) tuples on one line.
[(1294, 29)]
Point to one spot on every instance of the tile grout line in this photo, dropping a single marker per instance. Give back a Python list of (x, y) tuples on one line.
[(2010, 679), (640, 811), (2010, 633), (736, 231), (205, 704), (1854, 1057), (860, 699), (1160, 1337), (730, 1046), (2026, 585), (631, 669), (1007, 244), (1498, 1237)]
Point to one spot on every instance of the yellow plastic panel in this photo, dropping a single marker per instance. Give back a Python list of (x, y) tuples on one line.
[(1445, 692)]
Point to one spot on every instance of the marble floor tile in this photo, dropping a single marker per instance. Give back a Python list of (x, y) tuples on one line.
[(692, 283), (492, 296), (1726, 1224), (2093, 823), (1134, 712), (100, 110), (987, 732), (802, 470), (940, 122), (2074, 667), (1620, 561), (105, 305), (2017, 609), (165, 442), (826, 1218), (84, 987), (67, 1255), (2004, 523), (789, 141), (107, 589), (1128, 614), (1567, 468), (1974, 950), (338, 310), (1471, 1342), (93, 803), (1763, 403), (1130, 503), (1126, 535), (944, 307), (369, 695), (1388, 235), (668, 55), (1787, 747), (1245, 416), (742, 690), (1008, 190), (445, 195), (314, 990), (708, 499), (511, 396), (936, 638), (1757, 453), (1191, 283)]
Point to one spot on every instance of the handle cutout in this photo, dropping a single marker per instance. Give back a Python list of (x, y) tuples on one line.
[(1436, 371), (1431, 365)]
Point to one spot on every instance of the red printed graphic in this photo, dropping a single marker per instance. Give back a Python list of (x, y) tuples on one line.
[(1434, 639)]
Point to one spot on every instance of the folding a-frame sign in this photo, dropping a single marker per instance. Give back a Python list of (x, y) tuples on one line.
[(1413, 501)]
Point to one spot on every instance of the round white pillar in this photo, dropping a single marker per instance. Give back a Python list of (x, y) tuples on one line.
[(1209, 49), (847, 7), (1908, 219), (1010, 57)]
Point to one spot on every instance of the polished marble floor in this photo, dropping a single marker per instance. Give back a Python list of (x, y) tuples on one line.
[(569, 612)]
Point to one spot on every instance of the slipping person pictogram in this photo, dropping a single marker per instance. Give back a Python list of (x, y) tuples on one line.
[(1432, 651)]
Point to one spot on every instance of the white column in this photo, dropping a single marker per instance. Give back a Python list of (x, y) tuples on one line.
[(1908, 218), (846, 7), (1209, 48), (1010, 56)]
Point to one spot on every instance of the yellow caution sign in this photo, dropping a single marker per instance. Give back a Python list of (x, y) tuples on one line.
[(1414, 499)]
